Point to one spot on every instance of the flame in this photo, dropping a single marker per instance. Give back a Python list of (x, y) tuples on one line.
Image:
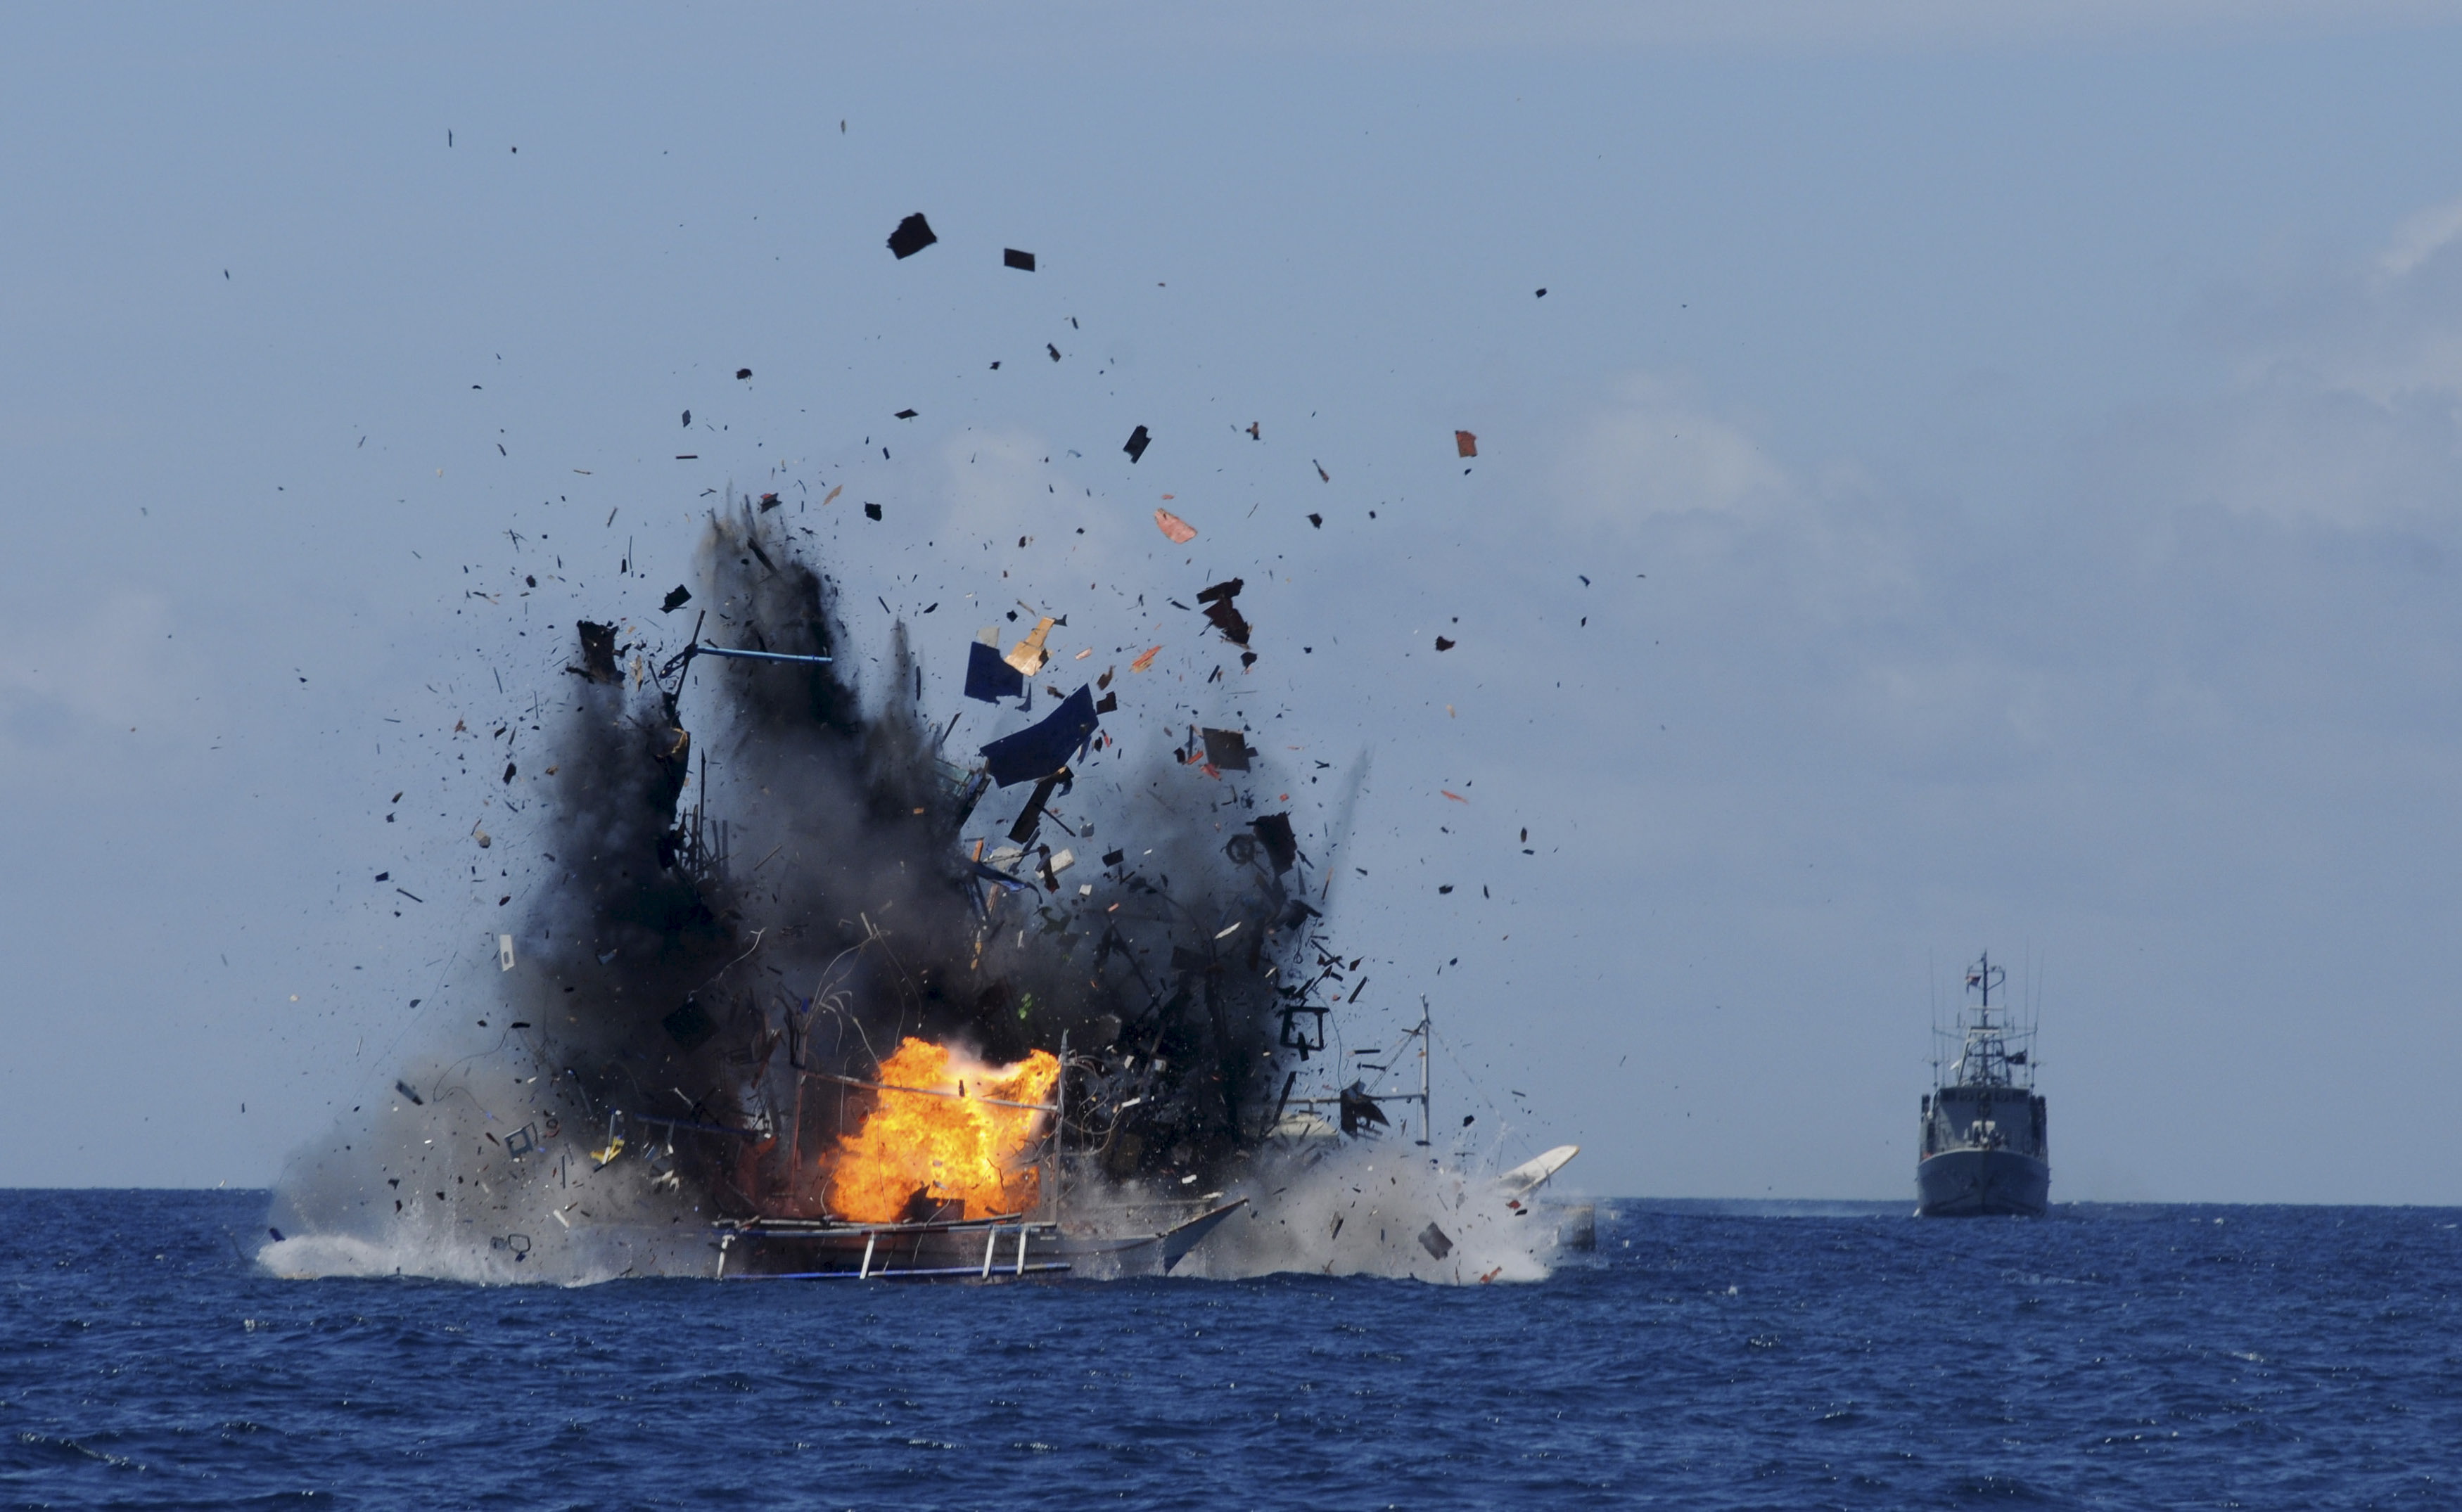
[(950, 1149)]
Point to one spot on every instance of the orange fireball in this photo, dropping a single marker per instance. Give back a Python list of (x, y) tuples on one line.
[(950, 1149)]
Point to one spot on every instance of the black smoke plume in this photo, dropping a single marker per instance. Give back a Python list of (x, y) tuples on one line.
[(762, 875)]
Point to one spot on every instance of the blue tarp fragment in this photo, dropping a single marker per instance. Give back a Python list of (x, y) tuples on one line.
[(1041, 749), (990, 679)]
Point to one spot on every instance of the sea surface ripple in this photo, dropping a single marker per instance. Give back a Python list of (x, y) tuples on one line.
[(1709, 1355)]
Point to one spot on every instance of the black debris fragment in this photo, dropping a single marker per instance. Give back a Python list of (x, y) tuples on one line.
[(1281, 846), (677, 598), (1139, 441), (906, 414), (416, 1101), (1043, 748), (1011, 257), (989, 676), (384, 876), (1030, 818), (690, 1026), (1108, 704), (871, 511), (1433, 1238), (1227, 750), (1225, 614), (742, 372), (1317, 520), (768, 501), (912, 234), (1442, 645), (1114, 857), (687, 420), (1053, 350), (1359, 1109)]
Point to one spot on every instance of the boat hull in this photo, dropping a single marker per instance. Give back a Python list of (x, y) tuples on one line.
[(1983, 1183), (1005, 1247)]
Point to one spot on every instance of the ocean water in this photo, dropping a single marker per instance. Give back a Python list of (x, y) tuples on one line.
[(1709, 1355)]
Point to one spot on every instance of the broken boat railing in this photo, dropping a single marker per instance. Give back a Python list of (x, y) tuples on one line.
[(993, 1230)]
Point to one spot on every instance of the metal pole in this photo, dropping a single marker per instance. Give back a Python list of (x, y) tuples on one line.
[(1021, 1248), (991, 1242), (869, 1240), (1060, 1130), (760, 655), (1427, 1056)]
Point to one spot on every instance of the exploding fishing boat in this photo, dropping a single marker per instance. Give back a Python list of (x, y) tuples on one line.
[(799, 988)]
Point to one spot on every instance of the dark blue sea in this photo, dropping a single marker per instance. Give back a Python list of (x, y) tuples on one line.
[(1710, 1355)]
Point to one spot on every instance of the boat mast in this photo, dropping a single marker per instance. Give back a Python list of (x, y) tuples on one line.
[(1984, 1058), (1427, 1058)]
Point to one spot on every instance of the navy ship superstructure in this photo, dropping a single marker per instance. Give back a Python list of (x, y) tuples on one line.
[(1985, 1148)]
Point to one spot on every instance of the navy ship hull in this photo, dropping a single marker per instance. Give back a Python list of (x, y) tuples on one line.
[(1977, 1183)]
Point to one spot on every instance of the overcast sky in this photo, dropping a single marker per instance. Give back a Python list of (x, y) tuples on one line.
[(2015, 465)]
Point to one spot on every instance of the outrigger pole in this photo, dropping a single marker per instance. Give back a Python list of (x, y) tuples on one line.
[(684, 659), (757, 656)]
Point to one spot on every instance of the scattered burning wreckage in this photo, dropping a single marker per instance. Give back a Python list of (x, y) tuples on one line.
[(898, 1015)]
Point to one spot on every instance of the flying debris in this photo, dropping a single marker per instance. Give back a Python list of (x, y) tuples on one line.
[(1139, 441), (912, 234), (1028, 656), (1022, 262), (1226, 749), (1225, 614), (1466, 444), (597, 653), (989, 676), (1274, 833), (677, 598), (1045, 748), (1359, 1109), (689, 1025), (1179, 531)]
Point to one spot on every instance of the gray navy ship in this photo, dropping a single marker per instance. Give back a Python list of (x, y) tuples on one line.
[(1985, 1148)]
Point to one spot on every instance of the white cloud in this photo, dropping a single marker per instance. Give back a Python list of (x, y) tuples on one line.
[(2345, 409), (1654, 449), (118, 668), (2420, 238)]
